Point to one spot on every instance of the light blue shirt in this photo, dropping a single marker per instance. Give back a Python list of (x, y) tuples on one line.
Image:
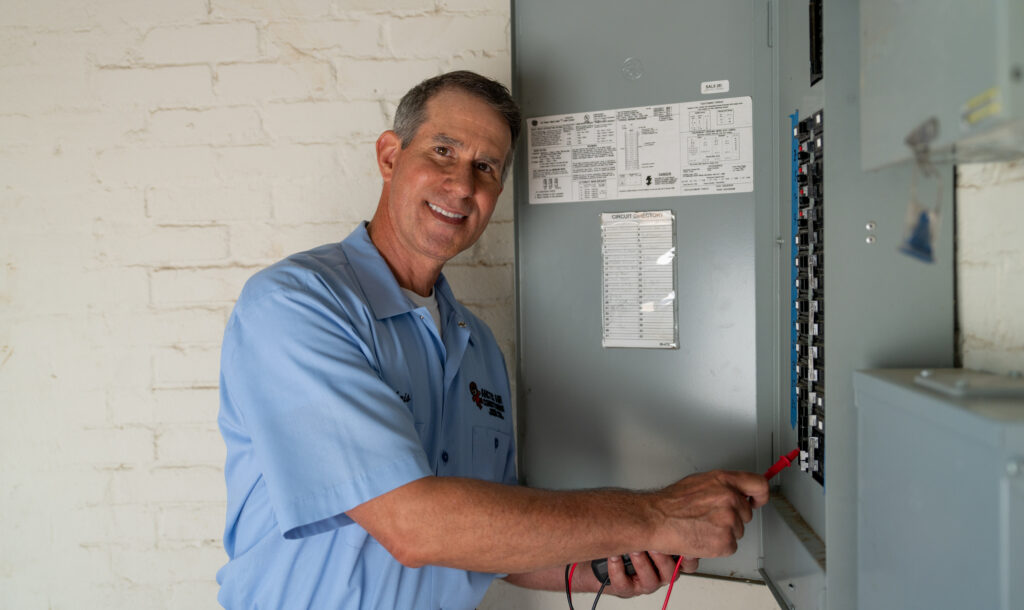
[(336, 389)]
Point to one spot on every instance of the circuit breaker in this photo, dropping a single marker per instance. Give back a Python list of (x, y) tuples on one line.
[(739, 121)]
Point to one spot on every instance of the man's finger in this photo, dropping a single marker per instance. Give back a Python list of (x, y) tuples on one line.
[(617, 575), (646, 574), (738, 529), (665, 564), (750, 484), (745, 509)]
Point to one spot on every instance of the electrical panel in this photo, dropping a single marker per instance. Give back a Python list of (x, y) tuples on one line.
[(782, 290), (595, 416)]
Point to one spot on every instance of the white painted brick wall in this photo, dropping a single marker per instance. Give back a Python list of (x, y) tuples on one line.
[(990, 265), (152, 157), (150, 87), (355, 36), (200, 44)]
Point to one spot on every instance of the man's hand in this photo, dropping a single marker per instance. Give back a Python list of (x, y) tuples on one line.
[(704, 514), (653, 570)]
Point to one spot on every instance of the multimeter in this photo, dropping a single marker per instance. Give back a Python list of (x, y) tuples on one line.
[(600, 567)]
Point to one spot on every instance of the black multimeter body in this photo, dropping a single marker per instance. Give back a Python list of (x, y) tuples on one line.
[(600, 567)]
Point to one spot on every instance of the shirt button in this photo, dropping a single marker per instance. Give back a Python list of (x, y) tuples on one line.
[(444, 457)]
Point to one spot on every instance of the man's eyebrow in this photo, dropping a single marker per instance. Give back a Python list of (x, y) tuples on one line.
[(447, 140)]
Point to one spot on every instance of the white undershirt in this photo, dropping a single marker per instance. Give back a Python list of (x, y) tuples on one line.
[(430, 303)]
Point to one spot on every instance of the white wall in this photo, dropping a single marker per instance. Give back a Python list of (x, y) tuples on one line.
[(152, 156), (990, 266)]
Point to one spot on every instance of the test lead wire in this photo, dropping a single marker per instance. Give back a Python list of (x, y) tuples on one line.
[(569, 569)]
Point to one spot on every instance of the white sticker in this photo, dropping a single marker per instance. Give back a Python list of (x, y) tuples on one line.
[(638, 296), (691, 148), (714, 86)]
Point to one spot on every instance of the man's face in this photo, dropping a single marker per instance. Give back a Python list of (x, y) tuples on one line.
[(441, 189)]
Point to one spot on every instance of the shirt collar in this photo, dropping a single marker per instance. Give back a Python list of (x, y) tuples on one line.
[(383, 294)]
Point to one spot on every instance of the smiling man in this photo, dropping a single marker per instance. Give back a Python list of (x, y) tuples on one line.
[(371, 462), (441, 183)]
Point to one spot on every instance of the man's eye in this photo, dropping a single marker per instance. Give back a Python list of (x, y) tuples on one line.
[(442, 150), (484, 167)]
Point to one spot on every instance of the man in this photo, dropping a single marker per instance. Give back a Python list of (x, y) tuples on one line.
[(363, 470)]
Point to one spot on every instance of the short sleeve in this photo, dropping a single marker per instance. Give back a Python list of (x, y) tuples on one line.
[(327, 432)]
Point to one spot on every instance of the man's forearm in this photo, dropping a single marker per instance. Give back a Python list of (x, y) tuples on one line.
[(553, 579), (489, 527)]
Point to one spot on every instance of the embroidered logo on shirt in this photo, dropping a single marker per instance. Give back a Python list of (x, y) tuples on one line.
[(485, 398), (404, 396)]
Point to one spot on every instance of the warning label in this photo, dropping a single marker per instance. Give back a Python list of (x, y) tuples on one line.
[(690, 148)]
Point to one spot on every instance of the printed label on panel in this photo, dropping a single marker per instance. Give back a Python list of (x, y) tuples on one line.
[(691, 148)]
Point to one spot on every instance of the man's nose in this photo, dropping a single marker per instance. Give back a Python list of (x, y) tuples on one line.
[(460, 181)]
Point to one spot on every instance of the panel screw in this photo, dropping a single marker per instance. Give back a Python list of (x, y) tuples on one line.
[(870, 226), (633, 68), (870, 239)]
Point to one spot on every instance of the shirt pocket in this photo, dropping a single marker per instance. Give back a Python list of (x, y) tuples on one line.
[(490, 453)]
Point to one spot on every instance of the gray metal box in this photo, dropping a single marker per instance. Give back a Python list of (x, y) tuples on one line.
[(941, 490), (958, 61), (591, 416), (641, 418)]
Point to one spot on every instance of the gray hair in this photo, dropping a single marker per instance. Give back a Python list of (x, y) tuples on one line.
[(412, 110)]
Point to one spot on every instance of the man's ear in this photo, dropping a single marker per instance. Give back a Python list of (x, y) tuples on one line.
[(388, 147)]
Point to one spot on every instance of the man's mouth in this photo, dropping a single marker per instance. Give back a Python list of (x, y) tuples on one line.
[(445, 213)]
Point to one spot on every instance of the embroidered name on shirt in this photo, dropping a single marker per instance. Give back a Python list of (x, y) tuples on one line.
[(487, 399)]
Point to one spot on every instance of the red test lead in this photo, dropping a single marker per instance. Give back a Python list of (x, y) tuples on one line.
[(782, 464)]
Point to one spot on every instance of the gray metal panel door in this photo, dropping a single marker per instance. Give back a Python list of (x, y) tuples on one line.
[(643, 418)]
